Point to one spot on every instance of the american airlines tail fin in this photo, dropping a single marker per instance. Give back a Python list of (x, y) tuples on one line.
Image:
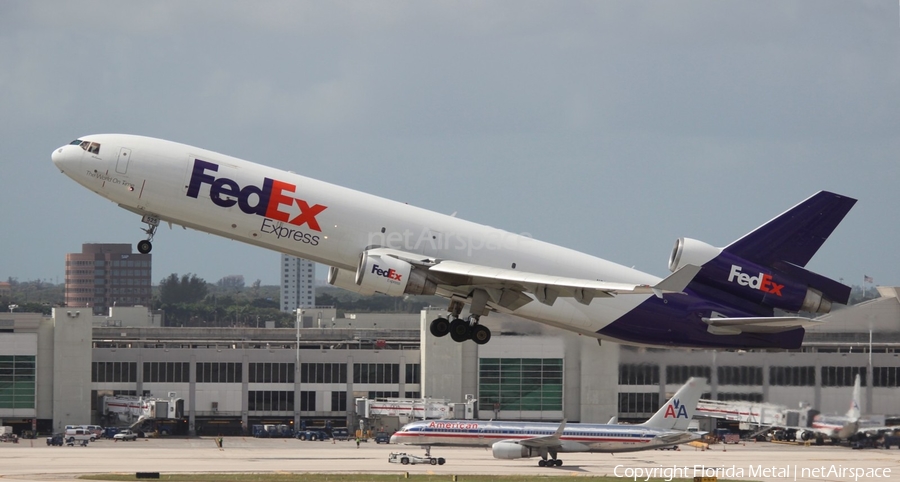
[(676, 414), (854, 412)]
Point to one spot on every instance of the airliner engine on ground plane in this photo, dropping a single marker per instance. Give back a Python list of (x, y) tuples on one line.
[(746, 295)]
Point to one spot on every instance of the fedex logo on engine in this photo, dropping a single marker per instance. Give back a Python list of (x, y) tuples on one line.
[(762, 282), (271, 200), (390, 274), (676, 409)]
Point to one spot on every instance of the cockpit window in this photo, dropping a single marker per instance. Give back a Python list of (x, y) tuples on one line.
[(75, 142), (92, 147)]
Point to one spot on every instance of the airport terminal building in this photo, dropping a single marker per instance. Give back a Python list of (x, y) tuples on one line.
[(55, 370)]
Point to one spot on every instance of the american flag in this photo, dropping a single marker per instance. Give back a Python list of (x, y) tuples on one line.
[(868, 279)]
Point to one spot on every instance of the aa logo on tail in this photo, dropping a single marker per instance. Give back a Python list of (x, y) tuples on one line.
[(676, 410)]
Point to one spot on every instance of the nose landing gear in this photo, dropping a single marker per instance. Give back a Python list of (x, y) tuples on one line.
[(152, 222)]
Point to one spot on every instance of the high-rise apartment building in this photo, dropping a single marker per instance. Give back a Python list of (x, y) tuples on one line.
[(105, 275), (298, 283)]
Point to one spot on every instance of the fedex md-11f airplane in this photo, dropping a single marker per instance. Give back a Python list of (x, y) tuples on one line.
[(516, 440), (748, 294)]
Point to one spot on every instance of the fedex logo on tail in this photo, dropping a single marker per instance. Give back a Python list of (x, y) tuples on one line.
[(762, 282), (676, 409), (271, 200), (390, 274)]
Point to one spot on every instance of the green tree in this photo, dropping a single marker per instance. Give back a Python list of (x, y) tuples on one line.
[(188, 289)]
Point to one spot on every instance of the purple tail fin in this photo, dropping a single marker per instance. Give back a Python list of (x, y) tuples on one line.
[(789, 241)]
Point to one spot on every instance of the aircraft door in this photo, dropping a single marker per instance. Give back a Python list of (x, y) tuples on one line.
[(122, 161)]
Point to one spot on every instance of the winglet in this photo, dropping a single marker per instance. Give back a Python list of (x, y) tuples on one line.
[(677, 281), (559, 431)]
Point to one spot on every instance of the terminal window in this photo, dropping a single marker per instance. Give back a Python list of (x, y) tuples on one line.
[(681, 373), (323, 373), (376, 373), (114, 372), (527, 384), (17, 381), (638, 403), (792, 376), (638, 374), (842, 376)]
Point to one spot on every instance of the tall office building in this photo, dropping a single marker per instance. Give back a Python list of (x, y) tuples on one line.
[(105, 275), (298, 283)]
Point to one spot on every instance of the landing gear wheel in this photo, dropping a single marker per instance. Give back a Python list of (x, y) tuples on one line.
[(481, 334), (441, 461), (459, 330), (542, 463), (558, 463), (144, 246), (440, 327)]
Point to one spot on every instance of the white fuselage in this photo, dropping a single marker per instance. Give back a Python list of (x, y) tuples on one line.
[(323, 222)]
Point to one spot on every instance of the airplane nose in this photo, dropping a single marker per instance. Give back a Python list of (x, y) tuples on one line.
[(57, 156), (67, 158)]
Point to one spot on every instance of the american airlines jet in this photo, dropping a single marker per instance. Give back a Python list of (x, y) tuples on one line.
[(749, 294), (515, 440), (850, 426)]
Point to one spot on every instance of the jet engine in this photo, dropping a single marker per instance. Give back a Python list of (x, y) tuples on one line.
[(509, 449), (345, 279), (783, 286), (386, 274)]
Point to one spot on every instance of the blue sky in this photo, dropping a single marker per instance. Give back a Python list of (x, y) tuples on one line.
[(608, 127)]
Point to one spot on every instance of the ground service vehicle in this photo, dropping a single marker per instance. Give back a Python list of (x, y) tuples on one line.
[(407, 459), (340, 434), (125, 435), (382, 438), (312, 434), (79, 435), (56, 439)]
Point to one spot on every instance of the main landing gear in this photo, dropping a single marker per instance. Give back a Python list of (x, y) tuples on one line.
[(152, 222), (548, 458), (461, 329)]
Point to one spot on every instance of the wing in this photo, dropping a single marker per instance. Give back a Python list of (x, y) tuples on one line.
[(545, 441), (677, 437), (778, 324), (510, 285)]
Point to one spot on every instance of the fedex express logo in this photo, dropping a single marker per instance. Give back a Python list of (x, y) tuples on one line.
[(762, 282), (390, 274), (271, 200), (676, 409)]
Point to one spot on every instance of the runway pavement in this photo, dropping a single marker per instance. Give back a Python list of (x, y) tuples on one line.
[(34, 460)]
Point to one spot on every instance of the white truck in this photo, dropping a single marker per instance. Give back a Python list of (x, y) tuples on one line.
[(82, 435), (410, 459)]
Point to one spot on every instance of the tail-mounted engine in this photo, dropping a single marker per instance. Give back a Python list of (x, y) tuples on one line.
[(783, 286), (380, 273)]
